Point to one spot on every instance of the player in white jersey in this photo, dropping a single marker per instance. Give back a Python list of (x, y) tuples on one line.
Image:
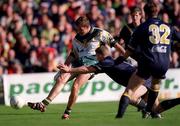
[(83, 53)]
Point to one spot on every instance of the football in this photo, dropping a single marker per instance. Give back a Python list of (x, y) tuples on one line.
[(16, 102)]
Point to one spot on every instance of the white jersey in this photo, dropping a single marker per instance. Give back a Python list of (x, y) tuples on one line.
[(86, 45)]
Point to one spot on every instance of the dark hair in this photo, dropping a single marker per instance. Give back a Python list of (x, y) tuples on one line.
[(151, 9), (103, 49), (136, 9), (83, 20)]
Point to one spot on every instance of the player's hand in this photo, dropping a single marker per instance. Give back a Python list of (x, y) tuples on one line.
[(63, 68)]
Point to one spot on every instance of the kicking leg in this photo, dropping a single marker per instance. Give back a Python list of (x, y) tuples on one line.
[(60, 81)]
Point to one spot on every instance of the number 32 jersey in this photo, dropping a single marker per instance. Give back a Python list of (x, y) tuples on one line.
[(152, 41)]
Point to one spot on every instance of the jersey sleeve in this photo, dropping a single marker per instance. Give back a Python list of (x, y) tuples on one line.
[(98, 68), (134, 40), (122, 33), (120, 59), (74, 51), (107, 38)]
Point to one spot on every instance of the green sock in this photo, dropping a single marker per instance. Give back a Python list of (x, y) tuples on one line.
[(67, 111), (46, 102)]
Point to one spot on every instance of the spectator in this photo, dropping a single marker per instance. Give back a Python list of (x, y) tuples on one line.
[(30, 30), (175, 60), (49, 32)]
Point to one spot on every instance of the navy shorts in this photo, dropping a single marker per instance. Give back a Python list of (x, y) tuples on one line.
[(148, 82), (156, 70)]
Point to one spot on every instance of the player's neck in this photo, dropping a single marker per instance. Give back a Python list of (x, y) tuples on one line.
[(88, 31), (136, 24), (148, 17)]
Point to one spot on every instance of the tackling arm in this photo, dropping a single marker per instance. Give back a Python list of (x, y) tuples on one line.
[(83, 69), (119, 48), (127, 53)]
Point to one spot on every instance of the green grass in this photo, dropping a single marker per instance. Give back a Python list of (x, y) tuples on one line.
[(84, 114)]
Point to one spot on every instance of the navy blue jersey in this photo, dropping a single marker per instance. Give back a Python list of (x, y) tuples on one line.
[(126, 33), (119, 72), (152, 42)]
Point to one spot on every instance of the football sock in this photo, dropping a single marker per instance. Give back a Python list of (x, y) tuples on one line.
[(46, 102), (141, 104), (167, 104), (151, 99), (67, 111), (123, 103)]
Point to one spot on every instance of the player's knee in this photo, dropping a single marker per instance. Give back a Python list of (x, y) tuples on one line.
[(155, 87), (134, 99), (60, 80), (128, 93)]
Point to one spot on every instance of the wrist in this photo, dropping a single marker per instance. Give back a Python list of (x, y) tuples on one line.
[(69, 70)]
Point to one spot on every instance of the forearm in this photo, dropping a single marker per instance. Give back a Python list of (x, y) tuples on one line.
[(127, 54), (82, 70), (120, 48)]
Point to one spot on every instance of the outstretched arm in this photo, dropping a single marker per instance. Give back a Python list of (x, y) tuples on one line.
[(127, 53), (83, 69), (119, 48)]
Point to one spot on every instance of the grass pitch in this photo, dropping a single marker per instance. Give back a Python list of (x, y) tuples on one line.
[(84, 114)]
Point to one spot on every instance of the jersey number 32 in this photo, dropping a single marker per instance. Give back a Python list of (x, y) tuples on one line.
[(156, 37)]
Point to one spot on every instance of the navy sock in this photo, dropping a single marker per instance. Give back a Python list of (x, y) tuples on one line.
[(123, 103), (141, 105), (151, 99), (167, 104)]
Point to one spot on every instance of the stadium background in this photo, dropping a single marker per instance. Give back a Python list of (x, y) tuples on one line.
[(35, 35)]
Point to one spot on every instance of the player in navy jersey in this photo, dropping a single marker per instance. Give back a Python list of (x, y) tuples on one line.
[(152, 42), (120, 71)]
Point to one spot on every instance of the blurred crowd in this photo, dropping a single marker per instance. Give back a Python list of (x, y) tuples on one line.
[(35, 35)]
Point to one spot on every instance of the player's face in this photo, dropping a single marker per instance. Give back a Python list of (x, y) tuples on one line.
[(82, 30), (136, 17)]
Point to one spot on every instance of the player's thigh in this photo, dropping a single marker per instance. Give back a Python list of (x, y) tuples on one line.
[(134, 82), (81, 79)]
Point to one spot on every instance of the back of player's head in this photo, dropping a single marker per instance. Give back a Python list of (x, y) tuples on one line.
[(151, 9), (103, 50), (83, 20)]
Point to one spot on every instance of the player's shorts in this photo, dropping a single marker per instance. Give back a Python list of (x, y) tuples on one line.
[(85, 61), (148, 83), (146, 70)]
